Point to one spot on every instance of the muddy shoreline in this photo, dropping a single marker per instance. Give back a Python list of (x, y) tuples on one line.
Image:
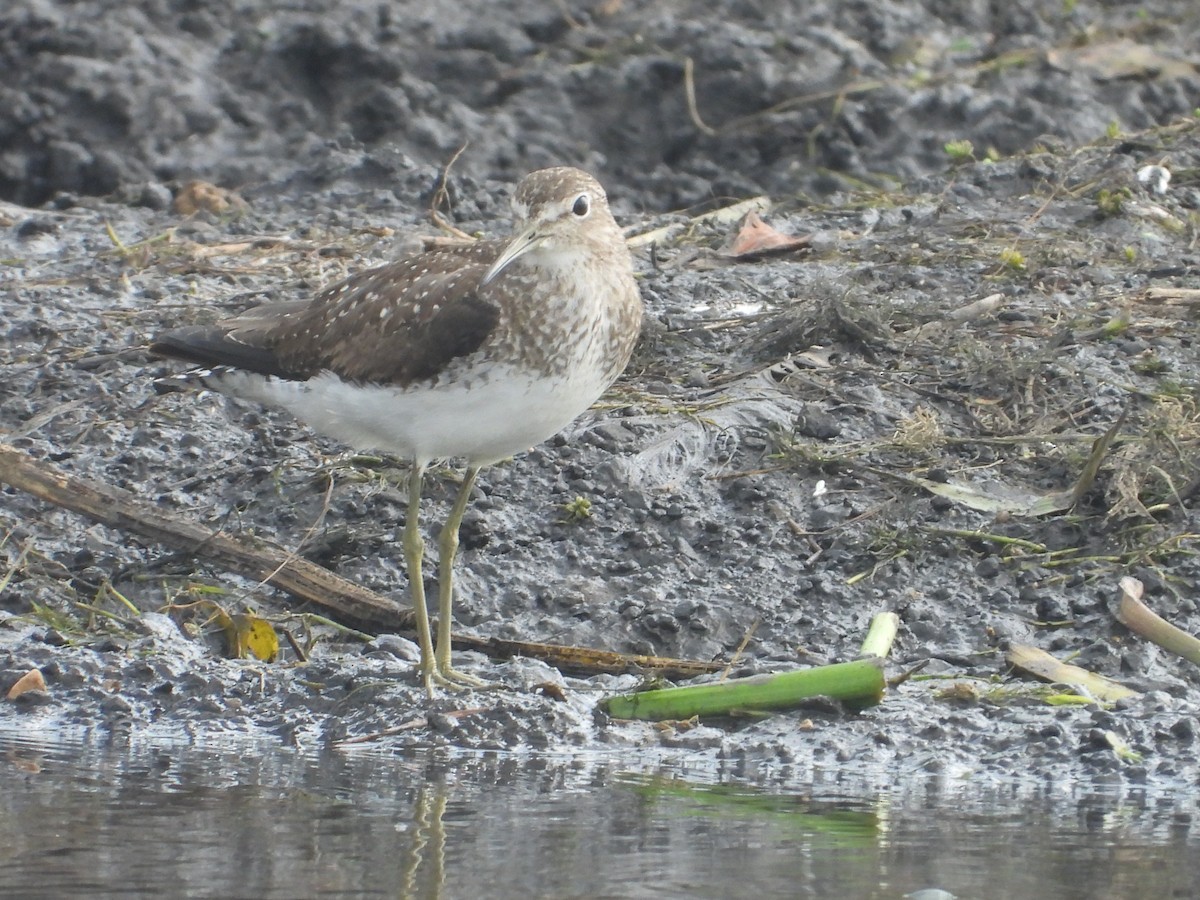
[(755, 471)]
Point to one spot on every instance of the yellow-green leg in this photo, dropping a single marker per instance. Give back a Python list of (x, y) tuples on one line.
[(414, 550), (447, 550)]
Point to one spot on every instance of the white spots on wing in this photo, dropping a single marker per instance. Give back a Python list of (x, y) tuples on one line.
[(400, 296)]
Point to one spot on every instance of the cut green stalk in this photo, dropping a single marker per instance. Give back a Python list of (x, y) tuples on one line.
[(859, 684), (881, 635)]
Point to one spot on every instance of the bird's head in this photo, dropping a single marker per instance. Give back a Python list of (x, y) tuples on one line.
[(562, 214)]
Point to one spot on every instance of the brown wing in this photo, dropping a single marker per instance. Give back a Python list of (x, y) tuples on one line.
[(398, 323)]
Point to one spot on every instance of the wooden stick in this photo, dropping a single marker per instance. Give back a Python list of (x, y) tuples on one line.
[(587, 661), (265, 561), (1173, 295), (249, 557)]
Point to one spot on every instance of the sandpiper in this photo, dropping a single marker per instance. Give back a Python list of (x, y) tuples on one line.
[(473, 352)]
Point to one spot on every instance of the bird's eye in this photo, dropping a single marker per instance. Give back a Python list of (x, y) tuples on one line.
[(583, 205)]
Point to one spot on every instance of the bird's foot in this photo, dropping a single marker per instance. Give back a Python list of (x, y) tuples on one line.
[(446, 676)]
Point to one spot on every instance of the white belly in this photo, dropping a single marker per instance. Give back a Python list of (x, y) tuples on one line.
[(484, 423)]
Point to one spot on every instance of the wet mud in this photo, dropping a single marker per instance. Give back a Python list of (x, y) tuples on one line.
[(988, 289)]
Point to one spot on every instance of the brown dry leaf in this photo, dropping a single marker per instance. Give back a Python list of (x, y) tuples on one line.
[(551, 690), (959, 690), (672, 726), (27, 683), (200, 195), (756, 238)]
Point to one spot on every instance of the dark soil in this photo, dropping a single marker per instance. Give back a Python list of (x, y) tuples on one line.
[(753, 475)]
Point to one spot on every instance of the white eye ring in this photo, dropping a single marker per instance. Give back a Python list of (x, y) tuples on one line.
[(582, 206)]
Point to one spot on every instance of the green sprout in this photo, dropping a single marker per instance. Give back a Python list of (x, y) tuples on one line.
[(1012, 258), (578, 509), (1111, 203), (1116, 326), (1150, 364), (960, 151)]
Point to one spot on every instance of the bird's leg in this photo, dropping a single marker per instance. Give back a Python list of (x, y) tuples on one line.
[(414, 549), (447, 549)]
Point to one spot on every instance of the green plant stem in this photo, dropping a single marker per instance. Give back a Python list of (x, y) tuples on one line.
[(859, 683)]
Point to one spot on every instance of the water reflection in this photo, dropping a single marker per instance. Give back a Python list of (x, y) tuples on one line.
[(86, 819)]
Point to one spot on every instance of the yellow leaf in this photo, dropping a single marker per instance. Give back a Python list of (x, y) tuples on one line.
[(251, 636)]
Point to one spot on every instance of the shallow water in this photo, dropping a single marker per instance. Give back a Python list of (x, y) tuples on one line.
[(250, 820)]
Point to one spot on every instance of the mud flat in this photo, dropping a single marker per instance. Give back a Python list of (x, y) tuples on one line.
[(988, 289)]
